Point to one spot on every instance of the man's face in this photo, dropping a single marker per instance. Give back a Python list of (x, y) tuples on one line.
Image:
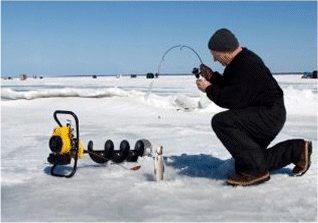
[(219, 57)]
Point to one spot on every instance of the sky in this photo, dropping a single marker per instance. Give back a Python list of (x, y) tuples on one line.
[(117, 37)]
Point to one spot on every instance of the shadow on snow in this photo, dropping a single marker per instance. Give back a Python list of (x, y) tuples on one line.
[(207, 166)]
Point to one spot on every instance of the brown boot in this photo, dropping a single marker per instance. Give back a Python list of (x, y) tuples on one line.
[(304, 163), (247, 179)]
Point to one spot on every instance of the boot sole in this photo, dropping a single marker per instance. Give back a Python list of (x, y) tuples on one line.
[(250, 183)]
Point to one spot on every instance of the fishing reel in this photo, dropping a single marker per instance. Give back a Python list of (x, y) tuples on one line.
[(204, 71), (196, 72), (66, 146)]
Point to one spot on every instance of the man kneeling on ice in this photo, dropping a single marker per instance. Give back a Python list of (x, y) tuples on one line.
[(256, 113)]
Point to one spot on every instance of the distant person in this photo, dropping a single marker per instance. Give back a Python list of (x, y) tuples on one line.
[(255, 115)]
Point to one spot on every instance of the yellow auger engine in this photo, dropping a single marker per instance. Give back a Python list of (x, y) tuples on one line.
[(66, 146)]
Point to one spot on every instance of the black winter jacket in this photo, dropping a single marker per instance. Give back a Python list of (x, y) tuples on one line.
[(246, 82)]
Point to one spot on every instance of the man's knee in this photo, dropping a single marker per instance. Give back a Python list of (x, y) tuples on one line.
[(221, 120)]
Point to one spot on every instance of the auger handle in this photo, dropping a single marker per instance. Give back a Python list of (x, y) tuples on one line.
[(69, 113)]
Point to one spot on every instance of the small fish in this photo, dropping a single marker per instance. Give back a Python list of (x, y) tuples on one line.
[(159, 164)]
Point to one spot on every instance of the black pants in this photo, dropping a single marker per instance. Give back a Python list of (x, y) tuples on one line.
[(246, 134)]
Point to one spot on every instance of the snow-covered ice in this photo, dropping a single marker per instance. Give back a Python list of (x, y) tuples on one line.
[(168, 111)]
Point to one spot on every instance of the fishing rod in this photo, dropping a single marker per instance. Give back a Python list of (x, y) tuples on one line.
[(177, 46)]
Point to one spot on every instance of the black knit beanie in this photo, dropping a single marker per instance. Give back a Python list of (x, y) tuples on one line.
[(223, 41)]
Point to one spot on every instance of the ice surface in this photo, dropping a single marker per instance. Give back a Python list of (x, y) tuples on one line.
[(174, 114)]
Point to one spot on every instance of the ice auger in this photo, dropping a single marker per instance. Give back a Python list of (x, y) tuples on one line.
[(66, 146)]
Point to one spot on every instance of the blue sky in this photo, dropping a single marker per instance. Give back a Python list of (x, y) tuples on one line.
[(60, 38)]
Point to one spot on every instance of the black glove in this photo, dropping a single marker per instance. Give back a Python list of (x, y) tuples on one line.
[(206, 72)]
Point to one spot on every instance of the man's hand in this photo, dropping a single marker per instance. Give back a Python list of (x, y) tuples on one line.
[(206, 72), (202, 84)]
